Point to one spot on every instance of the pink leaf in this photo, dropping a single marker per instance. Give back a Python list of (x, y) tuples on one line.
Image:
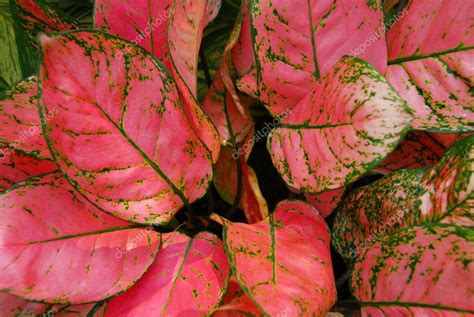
[(236, 302), (226, 177), (297, 42), (422, 271), (20, 126), (441, 194), (38, 16), (187, 278), (262, 257), (149, 25), (113, 133), (48, 233), (350, 121), (326, 202), (16, 166), (416, 150), (431, 58), (144, 23)]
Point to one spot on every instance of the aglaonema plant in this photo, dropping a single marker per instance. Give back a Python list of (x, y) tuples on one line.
[(107, 153)]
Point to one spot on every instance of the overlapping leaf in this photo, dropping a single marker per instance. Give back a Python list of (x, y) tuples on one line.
[(422, 271), (326, 202), (226, 180), (16, 166), (49, 233), (37, 16), (120, 134), (167, 32), (262, 257), (144, 23), (444, 193), (297, 42), (350, 121), (417, 149), (236, 302), (20, 127), (189, 278), (431, 63)]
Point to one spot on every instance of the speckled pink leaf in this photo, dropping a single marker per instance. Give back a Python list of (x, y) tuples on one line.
[(49, 233), (20, 126), (13, 306), (120, 133), (297, 42), (326, 202), (441, 194), (185, 30), (149, 24), (37, 16), (422, 271), (236, 302), (17, 166), (188, 278), (349, 122), (142, 22), (431, 63), (226, 178), (262, 257), (222, 109), (416, 150)]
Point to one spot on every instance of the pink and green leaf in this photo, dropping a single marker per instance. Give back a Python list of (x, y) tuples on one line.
[(144, 23), (417, 149), (262, 257), (42, 241), (189, 277), (151, 25), (298, 42), (16, 166), (342, 129), (441, 194), (431, 59), (226, 181), (20, 126), (36, 16), (409, 273), (111, 134), (326, 202), (236, 302)]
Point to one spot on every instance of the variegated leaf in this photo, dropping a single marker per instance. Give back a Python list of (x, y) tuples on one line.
[(444, 194), (297, 42), (417, 149), (36, 16), (226, 180), (20, 127), (431, 63), (16, 166), (421, 271), (236, 302), (149, 25), (49, 233), (262, 257), (326, 202), (188, 278), (112, 135), (347, 124)]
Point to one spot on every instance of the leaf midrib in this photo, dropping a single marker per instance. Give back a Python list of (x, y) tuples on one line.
[(424, 56)]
